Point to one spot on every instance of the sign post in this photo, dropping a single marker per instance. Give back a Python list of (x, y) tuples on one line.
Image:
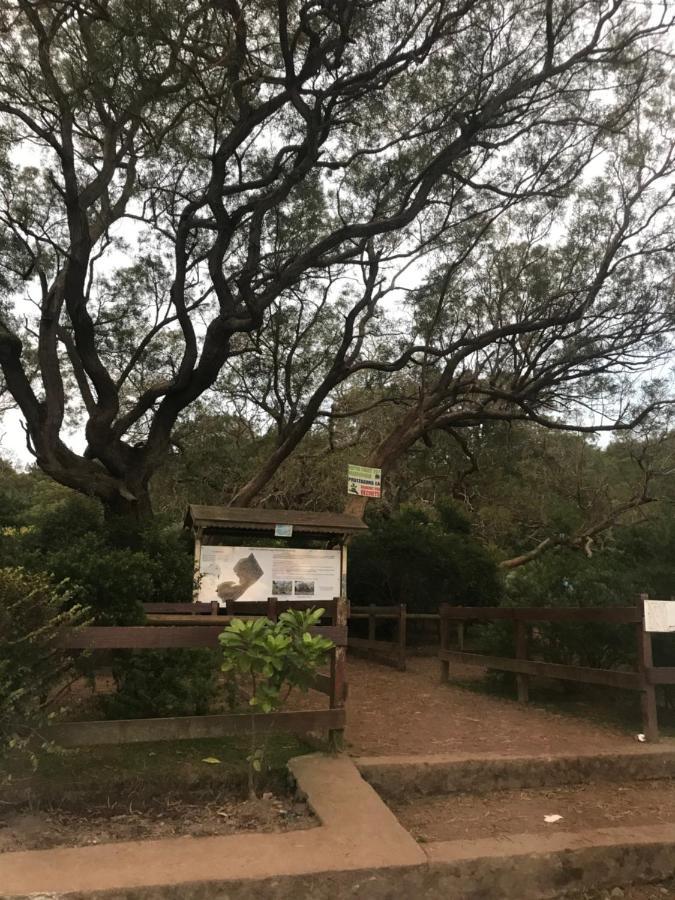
[(654, 618)]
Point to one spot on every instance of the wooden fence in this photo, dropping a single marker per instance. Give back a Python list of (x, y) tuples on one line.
[(389, 652), (643, 679), (271, 608), (202, 631)]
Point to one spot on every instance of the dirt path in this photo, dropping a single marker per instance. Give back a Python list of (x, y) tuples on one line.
[(455, 817), (662, 891), (391, 713), (37, 829)]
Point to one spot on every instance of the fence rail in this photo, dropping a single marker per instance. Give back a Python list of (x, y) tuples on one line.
[(180, 635), (129, 731), (619, 615), (631, 681), (155, 637), (389, 652), (271, 607), (643, 679)]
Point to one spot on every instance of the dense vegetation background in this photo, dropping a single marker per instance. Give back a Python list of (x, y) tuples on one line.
[(522, 516), (522, 513), (242, 245)]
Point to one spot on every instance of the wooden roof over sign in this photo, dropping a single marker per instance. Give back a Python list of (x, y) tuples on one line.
[(232, 518)]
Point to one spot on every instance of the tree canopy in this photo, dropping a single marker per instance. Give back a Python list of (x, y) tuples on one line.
[(459, 212)]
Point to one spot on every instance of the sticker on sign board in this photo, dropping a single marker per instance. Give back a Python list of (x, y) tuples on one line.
[(283, 531)]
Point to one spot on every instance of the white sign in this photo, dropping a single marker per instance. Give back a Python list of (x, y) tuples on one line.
[(659, 615), (256, 573)]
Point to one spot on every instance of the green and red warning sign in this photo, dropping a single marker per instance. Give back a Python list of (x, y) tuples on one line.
[(364, 481)]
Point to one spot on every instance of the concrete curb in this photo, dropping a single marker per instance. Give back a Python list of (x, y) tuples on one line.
[(550, 866), (360, 852), (400, 777), (357, 832)]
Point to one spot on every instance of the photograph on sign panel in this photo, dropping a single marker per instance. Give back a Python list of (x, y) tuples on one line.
[(304, 588), (281, 587)]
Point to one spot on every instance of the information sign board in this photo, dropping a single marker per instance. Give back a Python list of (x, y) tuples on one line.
[(256, 573)]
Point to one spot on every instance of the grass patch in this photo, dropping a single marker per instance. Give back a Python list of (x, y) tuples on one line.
[(145, 769)]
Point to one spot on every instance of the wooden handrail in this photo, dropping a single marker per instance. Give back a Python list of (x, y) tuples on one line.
[(618, 615), (153, 637)]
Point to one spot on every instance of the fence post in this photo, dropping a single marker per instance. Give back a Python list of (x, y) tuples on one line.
[(197, 565), (371, 622), (650, 722), (444, 624), (522, 681), (215, 607), (402, 626), (460, 636), (272, 608), (338, 674)]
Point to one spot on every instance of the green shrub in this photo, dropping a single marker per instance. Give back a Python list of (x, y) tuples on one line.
[(114, 572), (564, 578), (586, 644), (32, 670), (113, 582), (569, 579), (154, 683), (265, 660), (69, 539), (421, 559)]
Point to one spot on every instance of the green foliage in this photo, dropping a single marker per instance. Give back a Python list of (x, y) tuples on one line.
[(113, 572), (268, 659), (150, 683), (12, 496), (170, 552), (32, 612), (264, 661), (65, 520), (569, 579), (70, 539), (414, 558), (565, 577), (115, 582)]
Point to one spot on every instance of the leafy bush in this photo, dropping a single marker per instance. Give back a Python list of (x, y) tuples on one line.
[(113, 572), (563, 579), (70, 539), (421, 559), (153, 683), (569, 579), (32, 670), (265, 660)]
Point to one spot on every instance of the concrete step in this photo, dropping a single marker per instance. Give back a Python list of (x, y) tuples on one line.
[(398, 777)]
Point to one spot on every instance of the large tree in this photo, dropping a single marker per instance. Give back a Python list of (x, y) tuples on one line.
[(568, 327), (173, 172)]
